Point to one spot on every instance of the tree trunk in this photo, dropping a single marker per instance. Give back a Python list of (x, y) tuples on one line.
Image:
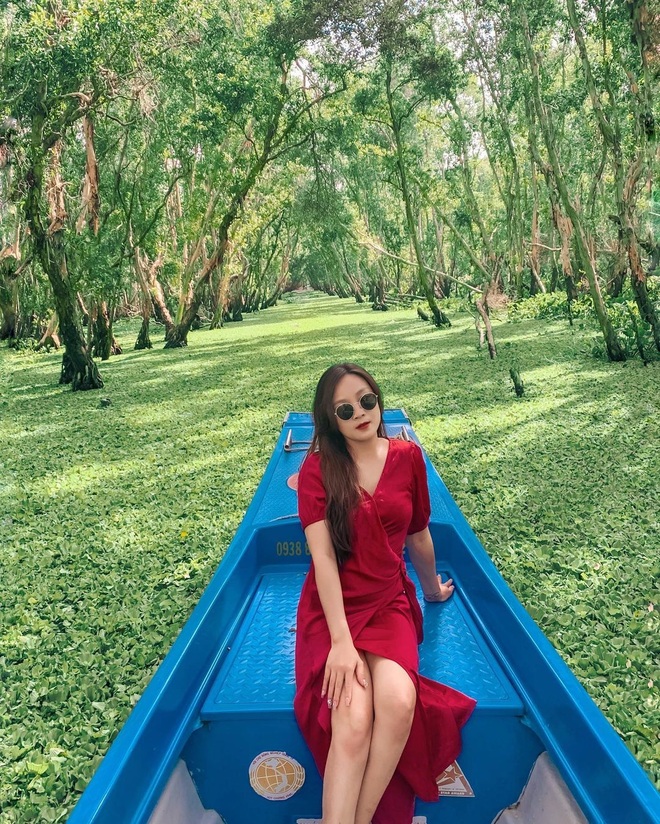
[(78, 367), (83, 309), (104, 342), (619, 267), (91, 204), (439, 317), (50, 338), (217, 321), (8, 328), (345, 268), (466, 178), (179, 335), (615, 351), (639, 339), (480, 331), (161, 311), (561, 223), (482, 307), (8, 307), (143, 340), (642, 297), (511, 193), (151, 287), (535, 251), (443, 285), (554, 276), (234, 308), (146, 303), (283, 277), (644, 303), (642, 118)]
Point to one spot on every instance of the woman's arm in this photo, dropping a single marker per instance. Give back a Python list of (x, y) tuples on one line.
[(420, 549), (343, 660)]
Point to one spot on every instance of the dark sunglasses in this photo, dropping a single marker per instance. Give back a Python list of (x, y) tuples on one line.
[(345, 411)]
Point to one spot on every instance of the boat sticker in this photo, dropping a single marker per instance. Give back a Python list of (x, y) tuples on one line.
[(276, 776), (453, 782)]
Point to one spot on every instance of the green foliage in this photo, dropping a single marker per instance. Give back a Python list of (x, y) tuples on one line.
[(437, 73), (549, 305), (451, 305), (191, 91), (67, 45), (623, 313), (630, 328), (115, 518)]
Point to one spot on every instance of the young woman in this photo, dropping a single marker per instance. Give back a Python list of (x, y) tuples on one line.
[(380, 733)]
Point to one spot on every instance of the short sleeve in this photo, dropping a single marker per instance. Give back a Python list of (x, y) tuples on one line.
[(311, 492), (421, 505)]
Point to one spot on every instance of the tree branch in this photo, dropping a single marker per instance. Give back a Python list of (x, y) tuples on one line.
[(380, 250)]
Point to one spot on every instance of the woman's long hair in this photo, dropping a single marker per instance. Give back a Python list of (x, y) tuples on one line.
[(337, 466)]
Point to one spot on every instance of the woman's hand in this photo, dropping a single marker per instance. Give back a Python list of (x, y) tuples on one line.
[(344, 663), (444, 591), (420, 549), (342, 667)]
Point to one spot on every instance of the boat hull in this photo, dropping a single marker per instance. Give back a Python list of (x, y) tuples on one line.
[(217, 716)]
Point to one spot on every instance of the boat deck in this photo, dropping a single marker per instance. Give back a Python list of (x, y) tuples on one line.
[(249, 704), (258, 670)]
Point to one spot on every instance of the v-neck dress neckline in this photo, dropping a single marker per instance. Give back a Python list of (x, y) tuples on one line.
[(382, 471)]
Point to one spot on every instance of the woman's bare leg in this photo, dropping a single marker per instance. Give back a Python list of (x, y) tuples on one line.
[(394, 700), (349, 750)]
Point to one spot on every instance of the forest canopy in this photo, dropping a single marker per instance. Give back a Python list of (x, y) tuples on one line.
[(190, 162)]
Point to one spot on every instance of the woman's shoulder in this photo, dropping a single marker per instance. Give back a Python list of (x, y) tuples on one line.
[(311, 464), (404, 447), (407, 453)]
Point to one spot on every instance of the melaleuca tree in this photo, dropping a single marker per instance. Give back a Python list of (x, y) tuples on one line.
[(618, 80), (533, 27), (62, 63), (411, 69), (251, 107)]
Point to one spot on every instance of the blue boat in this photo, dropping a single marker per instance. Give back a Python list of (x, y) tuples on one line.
[(213, 739)]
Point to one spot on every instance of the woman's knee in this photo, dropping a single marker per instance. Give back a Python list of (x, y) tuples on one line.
[(396, 707), (351, 729)]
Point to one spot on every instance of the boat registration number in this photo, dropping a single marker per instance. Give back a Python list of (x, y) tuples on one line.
[(291, 548)]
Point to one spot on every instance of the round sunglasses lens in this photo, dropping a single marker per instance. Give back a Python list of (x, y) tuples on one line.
[(344, 411), (368, 401)]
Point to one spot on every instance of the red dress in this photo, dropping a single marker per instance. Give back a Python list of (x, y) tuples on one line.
[(385, 619)]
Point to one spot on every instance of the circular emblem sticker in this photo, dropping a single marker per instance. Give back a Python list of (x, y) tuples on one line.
[(276, 776)]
